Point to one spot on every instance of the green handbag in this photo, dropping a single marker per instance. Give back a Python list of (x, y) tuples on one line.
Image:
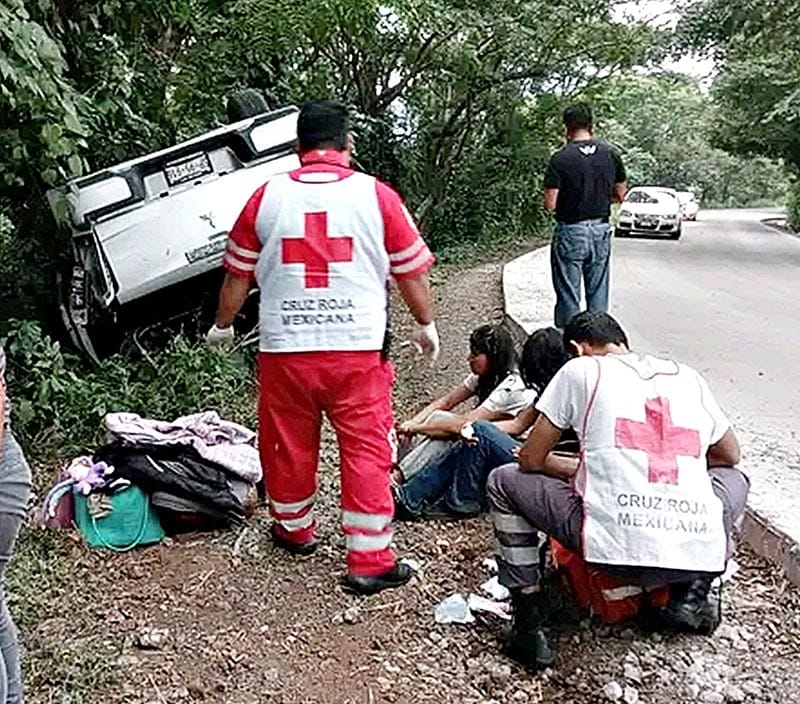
[(132, 521)]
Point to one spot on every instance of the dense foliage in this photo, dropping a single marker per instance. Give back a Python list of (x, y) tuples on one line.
[(757, 92), (662, 126), (457, 105)]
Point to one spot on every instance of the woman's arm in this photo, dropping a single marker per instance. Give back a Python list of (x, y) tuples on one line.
[(449, 427), (458, 394), (520, 423), (536, 454)]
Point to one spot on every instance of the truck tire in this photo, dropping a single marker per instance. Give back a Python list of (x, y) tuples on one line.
[(246, 103)]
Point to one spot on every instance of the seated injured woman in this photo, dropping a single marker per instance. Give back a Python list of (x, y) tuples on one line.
[(446, 473)]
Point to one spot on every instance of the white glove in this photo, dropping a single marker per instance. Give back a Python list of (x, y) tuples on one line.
[(426, 341), (220, 338)]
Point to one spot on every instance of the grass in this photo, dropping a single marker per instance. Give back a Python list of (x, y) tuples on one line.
[(58, 405), (65, 659)]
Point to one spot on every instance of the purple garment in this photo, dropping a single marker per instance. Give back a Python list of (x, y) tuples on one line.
[(227, 444)]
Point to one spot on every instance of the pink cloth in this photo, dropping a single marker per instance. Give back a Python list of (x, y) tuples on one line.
[(222, 442)]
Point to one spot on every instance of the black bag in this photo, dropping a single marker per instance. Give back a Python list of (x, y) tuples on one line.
[(183, 481)]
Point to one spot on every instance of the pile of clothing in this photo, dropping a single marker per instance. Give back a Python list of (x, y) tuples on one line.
[(199, 471)]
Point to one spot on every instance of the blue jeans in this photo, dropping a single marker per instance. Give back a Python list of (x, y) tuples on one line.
[(580, 252), (456, 482)]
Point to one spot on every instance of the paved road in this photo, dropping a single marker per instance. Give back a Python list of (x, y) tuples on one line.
[(725, 299)]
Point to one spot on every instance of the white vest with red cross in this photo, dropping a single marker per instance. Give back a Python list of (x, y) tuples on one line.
[(323, 269), (648, 498)]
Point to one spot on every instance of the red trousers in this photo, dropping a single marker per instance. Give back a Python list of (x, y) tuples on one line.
[(354, 390)]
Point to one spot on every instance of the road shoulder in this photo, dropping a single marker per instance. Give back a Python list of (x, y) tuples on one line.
[(529, 302)]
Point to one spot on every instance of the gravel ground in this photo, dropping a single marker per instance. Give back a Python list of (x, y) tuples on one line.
[(227, 618)]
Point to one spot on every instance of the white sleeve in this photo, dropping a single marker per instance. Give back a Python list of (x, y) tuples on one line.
[(509, 397), (719, 421), (565, 398), (471, 382)]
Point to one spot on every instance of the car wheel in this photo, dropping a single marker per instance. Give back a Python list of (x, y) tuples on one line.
[(246, 103), (618, 232), (677, 234)]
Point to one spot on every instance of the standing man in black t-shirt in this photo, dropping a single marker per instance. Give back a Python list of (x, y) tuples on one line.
[(582, 180)]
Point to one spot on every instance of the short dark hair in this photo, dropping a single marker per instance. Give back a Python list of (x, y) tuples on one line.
[(497, 344), (323, 124), (543, 354), (578, 116), (595, 329)]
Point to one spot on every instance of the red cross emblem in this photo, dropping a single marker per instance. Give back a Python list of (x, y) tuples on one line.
[(662, 441), (316, 250)]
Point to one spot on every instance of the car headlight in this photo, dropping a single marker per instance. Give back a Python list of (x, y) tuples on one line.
[(625, 214)]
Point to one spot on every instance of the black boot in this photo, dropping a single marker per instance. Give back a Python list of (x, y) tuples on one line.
[(395, 577), (303, 549), (528, 644), (690, 608)]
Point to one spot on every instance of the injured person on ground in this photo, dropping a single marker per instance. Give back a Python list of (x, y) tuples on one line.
[(653, 500), (450, 479)]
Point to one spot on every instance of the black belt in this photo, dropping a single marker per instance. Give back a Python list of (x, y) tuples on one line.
[(592, 221)]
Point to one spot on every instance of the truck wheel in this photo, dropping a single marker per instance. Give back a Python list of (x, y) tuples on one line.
[(246, 103)]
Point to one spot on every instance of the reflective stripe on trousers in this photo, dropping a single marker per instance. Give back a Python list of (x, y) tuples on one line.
[(367, 532), (353, 389)]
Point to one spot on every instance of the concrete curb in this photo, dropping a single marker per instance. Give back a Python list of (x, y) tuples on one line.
[(528, 303)]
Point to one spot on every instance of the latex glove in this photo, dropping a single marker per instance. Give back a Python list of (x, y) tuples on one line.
[(220, 338), (425, 339)]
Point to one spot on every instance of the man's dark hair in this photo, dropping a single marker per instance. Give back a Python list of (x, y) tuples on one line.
[(596, 329), (543, 354), (497, 344), (578, 117), (323, 124)]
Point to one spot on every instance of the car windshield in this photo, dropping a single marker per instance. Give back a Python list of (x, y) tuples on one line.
[(641, 197)]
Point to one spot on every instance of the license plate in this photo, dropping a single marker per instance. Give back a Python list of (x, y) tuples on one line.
[(215, 248), (77, 295), (186, 169)]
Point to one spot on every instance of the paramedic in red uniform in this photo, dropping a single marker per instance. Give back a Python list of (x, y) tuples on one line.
[(321, 244)]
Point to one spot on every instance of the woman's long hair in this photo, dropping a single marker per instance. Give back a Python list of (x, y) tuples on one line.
[(497, 344), (543, 354)]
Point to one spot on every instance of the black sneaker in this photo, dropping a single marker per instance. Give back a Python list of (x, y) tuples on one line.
[(691, 610), (395, 577), (401, 511), (307, 548)]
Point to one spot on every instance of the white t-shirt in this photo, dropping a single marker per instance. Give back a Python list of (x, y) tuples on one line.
[(566, 398), (509, 397)]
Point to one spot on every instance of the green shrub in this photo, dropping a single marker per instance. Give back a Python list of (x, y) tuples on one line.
[(793, 204), (58, 400)]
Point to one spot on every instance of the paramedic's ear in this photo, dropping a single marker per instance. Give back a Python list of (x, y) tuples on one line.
[(351, 143), (576, 349)]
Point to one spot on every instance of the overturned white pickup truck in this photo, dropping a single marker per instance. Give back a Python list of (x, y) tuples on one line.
[(147, 236)]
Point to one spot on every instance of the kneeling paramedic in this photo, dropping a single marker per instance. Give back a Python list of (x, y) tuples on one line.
[(653, 498), (321, 243)]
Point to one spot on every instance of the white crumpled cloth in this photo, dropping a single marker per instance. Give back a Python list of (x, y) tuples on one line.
[(222, 442)]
